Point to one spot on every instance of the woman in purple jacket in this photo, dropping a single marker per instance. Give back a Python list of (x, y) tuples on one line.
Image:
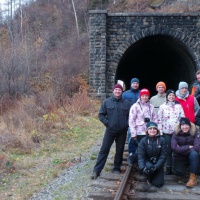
[(185, 145)]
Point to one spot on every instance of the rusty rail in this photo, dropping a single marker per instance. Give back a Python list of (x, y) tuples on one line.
[(122, 187)]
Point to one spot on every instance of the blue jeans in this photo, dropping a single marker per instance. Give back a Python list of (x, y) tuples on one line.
[(132, 144), (181, 163)]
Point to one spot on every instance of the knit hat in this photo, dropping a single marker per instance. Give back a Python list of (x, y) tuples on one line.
[(185, 120), (117, 86), (152, 125), (161, 84), (169, 92), (144, 91), (182, 85), (133, 80)]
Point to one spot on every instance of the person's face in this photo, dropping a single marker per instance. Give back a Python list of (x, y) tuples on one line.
[(185, 128), (171, 97), (117, 93), (160, 89), (183, 91), (135, 85), (152, 131), (144, 98), (198, 78)]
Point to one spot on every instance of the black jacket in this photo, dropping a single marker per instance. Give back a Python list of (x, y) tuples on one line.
[(152, 149), (114, 114)]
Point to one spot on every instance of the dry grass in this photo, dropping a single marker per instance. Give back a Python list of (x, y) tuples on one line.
[(37, 145)]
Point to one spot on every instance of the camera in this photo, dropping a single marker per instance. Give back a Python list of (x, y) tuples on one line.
[(146, 119)]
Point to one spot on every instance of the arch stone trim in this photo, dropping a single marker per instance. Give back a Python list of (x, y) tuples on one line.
[(186, 40)]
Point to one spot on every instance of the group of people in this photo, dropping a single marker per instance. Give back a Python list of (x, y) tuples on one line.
[(162, 135)]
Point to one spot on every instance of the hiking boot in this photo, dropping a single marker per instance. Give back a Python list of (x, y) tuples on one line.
[(94, 175), (192, 180)]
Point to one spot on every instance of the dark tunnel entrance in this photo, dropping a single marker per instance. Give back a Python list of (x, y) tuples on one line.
[(157, 58)]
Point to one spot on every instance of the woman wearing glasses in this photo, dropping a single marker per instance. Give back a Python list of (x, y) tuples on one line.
[(152, 155)]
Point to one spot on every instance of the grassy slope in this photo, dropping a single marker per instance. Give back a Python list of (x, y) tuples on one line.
[(33, 171)]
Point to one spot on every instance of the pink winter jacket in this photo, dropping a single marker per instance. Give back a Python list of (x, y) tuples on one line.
[(168, 116), (137, 113)]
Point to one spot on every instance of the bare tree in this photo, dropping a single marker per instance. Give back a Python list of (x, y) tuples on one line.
[(77, 28)]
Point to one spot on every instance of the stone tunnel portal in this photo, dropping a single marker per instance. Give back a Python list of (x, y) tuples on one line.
[(157, 58)]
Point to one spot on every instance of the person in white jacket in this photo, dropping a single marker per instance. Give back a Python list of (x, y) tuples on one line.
[(169, 114)]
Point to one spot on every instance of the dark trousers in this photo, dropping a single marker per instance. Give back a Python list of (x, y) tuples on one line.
[(108, 140), (132, 144), (168, 138), (182, 163), (157, 178)]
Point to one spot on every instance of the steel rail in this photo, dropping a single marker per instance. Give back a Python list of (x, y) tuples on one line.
[(121, 190)]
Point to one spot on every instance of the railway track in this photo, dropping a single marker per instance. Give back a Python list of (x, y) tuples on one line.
[(131, 185)]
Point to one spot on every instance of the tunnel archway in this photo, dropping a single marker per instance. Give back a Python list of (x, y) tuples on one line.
[(157, 58)]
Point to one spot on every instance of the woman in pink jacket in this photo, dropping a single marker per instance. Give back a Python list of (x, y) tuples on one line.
[(140, 114)]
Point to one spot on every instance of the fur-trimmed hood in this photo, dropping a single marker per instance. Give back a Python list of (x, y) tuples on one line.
[(192, 130)]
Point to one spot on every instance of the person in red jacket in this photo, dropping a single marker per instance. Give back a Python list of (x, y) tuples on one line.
[(187, 101)]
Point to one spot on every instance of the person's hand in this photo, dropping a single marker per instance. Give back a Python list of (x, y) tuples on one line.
[(146, 171), (149, 170)]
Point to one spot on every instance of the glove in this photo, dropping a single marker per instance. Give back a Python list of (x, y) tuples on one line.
[(152, 169), (149, 170), (146, 171)]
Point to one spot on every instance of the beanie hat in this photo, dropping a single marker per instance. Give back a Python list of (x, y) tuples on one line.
[(152, 124), (185, 120), (133, 80), (161, 84), (182, 85), (169, 91), (144, 91), (118, 86)]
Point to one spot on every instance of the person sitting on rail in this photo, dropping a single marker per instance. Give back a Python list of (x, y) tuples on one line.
[(140, 114), (114, 113), (152, 154), (169, 115), (185, 145)]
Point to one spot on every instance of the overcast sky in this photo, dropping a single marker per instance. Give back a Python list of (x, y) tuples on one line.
[(2, 1)]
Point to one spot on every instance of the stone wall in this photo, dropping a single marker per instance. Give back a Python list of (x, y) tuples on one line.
[(111, 34)]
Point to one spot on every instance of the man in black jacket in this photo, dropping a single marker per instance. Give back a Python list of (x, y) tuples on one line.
[(113, 114)]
